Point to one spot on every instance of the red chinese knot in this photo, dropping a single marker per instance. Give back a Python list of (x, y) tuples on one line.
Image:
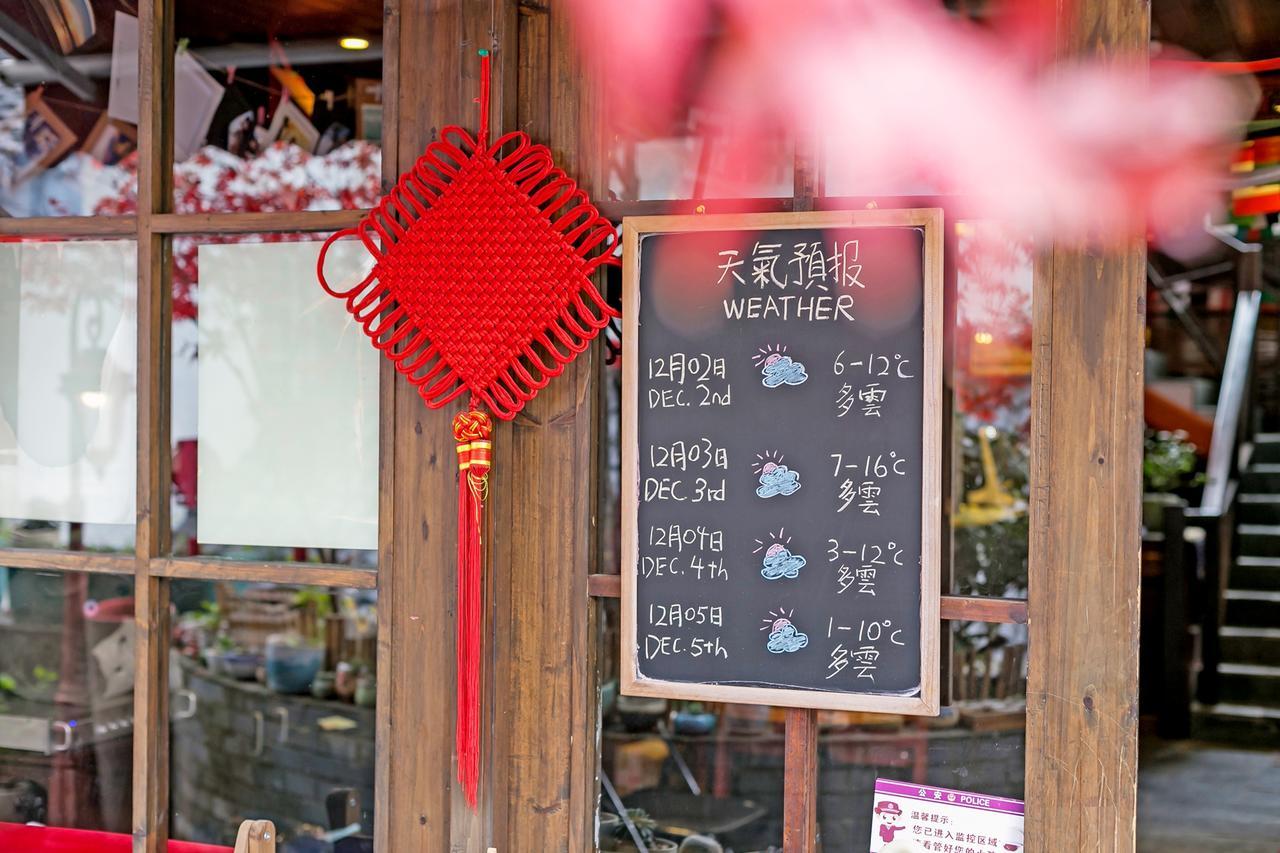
[(483, 256), (481, 284)]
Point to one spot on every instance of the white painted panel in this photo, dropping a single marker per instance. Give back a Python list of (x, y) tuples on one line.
[(68, 381), (288, 401)]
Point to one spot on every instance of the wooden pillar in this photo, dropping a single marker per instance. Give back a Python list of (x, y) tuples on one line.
[(1082, 691), (800, 782), (416, 575), (537, 788), (543, 522), (151, 594)]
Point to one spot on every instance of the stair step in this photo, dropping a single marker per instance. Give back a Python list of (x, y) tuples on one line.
[(1259, 540), (1256, 573), (1252, 725), (1250, 684), (1253, 608), (1259, 646), (1266, 448), (1259, 509), (1261, 477)]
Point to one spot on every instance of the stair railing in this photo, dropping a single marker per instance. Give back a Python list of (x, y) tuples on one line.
[(1232, 427)]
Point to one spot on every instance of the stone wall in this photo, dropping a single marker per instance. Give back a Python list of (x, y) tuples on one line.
[(217, 780)]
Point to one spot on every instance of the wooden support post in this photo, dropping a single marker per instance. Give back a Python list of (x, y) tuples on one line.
[(1086, 456), (151, 593), (800, 804), (416, 586), (544, 642)]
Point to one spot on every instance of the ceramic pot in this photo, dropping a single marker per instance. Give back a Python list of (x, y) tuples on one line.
[(291, 667)]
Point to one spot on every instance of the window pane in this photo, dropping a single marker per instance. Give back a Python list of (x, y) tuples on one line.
[(688, 162), (63, 150), (991, 381), (272, 696), (66, 699), (275, 403), (278, 107), (68, 378), (718, 770)]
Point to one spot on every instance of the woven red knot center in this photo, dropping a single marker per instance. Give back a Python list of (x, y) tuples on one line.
[(483, 272)]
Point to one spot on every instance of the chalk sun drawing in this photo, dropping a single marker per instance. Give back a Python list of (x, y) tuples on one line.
[(775, 478), (784, 637), (777, 368), (779, 562)]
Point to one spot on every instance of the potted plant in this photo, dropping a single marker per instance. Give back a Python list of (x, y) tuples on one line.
[(606, 830), (645, 827), (1168, 472), (292, 662)]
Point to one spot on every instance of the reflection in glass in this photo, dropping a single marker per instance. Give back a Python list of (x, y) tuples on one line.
[(275, 404), (273, 691), (64, 150), (66, 699), (717, 770), (992, 410), (691, 160), (68, 378), (284, 110)]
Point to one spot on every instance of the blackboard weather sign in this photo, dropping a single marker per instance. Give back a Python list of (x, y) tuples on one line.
[(781, 458)]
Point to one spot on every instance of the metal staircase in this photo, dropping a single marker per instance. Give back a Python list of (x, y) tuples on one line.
[(1247, 700)]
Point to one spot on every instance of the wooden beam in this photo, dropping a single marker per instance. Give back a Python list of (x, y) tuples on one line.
[(50, 559), (151, 593), (255, 223), (543, 686), (800, 782), (388, 420), (69, 226), (312, 574), (1086, 446), (422, 566), (976, 608)]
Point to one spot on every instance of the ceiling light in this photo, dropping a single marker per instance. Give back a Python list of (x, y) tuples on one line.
[(354, 43)]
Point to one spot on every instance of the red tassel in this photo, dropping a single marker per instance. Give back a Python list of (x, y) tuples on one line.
[(473, 432)]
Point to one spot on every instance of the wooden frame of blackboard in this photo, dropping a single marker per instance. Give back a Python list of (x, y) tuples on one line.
[(634, 229)]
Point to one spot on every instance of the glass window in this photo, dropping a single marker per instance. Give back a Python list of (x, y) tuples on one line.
[(686, 162), (64, 148), (66, 699), (991, 407), (275, 403), (277, 107), (272, 693), (68, 377), (717, 770)]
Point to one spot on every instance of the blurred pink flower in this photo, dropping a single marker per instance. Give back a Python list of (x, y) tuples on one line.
[(1100, 150)]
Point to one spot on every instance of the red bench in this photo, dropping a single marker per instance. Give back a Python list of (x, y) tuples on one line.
[(52, 839)]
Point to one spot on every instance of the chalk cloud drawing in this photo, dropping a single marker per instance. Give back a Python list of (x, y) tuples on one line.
[(779, 561), (775, 478), (777, 368), (784, 637)]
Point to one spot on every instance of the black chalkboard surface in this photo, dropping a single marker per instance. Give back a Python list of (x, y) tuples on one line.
[(781, 458)]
